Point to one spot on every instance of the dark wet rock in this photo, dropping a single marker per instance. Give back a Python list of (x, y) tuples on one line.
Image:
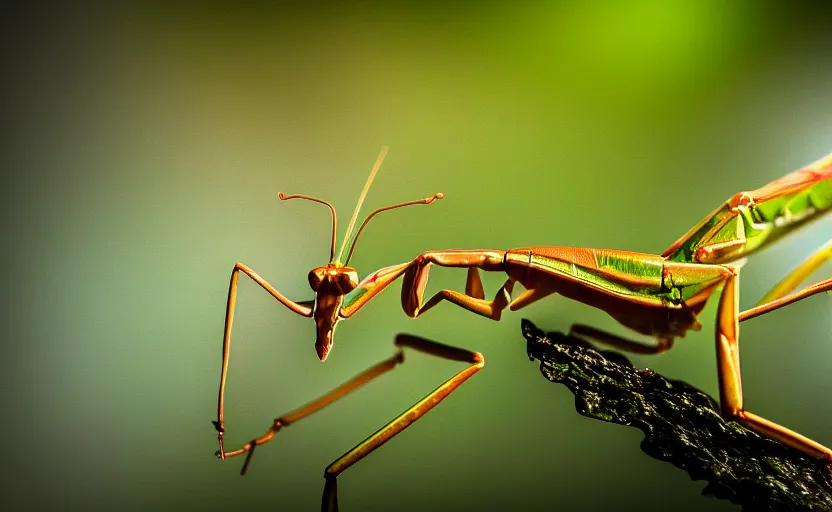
[(682, 426)]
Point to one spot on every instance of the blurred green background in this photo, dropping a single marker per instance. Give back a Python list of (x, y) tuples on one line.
[(145, 149)]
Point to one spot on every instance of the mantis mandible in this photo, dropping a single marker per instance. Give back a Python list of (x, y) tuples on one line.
[(655, 295)]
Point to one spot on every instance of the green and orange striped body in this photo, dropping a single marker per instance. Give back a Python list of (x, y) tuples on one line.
[(645, 292), (661, 295)]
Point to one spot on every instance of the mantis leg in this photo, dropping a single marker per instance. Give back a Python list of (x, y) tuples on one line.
[(779, 295), (800, 273), (730, 382), (530, 296), (299, 308), (808, 291), (371, 286), (317, 404), (492, 309), (416, 279), (588, 333), (406, 418)]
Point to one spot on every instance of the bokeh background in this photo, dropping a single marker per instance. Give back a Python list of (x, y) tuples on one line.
[(143, 151)]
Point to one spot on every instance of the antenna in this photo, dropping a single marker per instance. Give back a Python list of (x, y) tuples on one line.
[(426, 200), (361, 201), (331, 209)]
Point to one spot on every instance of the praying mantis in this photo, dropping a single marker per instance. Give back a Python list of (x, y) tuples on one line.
[(655, 295)]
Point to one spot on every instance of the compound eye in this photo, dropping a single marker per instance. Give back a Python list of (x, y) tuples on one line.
[(316, 276), (347, 281)]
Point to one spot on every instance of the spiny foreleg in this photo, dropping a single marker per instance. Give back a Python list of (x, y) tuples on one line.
[(416, 280)]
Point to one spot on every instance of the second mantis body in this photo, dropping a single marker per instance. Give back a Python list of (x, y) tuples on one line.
[(655, 295)]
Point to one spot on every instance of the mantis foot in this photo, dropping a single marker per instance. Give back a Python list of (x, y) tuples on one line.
[(220, 454)]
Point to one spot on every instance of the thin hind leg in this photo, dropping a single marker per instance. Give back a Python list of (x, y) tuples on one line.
[(808, 291), (730, 381), (799, 274), (588, 333), (475, 363), (781, 295)]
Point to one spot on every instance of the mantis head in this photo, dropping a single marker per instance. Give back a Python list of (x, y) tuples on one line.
[(330, 284), (333, 281)]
